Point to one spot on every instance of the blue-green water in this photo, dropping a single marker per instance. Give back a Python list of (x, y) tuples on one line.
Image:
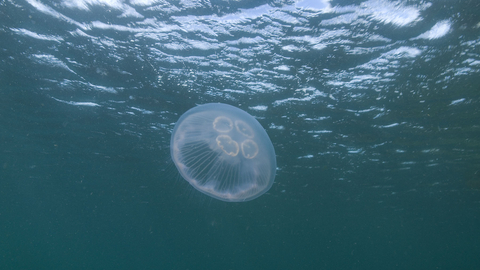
[(372, 107)]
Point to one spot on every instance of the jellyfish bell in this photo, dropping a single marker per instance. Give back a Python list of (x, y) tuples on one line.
[(223, 152)]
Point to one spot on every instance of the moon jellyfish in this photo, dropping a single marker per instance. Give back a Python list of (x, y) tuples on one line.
[(223, 152)]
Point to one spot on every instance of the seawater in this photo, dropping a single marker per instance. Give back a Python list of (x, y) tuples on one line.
[(372, 108)]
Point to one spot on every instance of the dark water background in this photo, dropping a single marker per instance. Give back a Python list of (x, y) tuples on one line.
[(372, 107)]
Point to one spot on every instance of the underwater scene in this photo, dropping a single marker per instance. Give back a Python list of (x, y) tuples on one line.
[(239, 134)]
